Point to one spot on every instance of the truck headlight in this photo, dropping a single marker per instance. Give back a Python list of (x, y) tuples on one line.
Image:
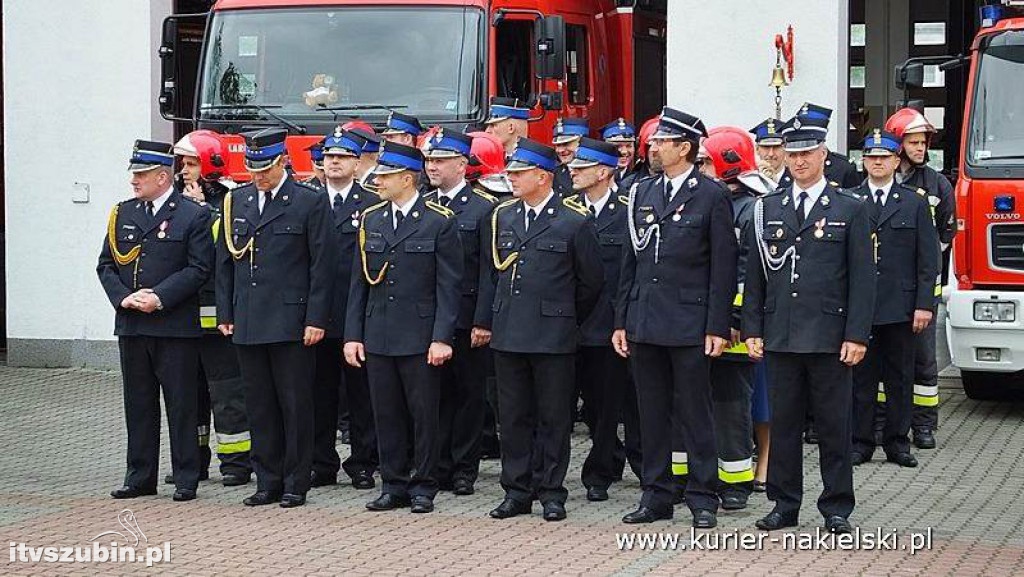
[(994, 311)]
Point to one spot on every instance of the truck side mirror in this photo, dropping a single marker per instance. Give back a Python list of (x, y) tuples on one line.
[(180, 47), (549, 33), (909, 75)]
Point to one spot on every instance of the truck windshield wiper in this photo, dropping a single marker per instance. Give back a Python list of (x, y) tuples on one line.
[(262, 108), (362, 107)]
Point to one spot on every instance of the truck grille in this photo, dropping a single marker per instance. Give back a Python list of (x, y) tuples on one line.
[(1007, 245)]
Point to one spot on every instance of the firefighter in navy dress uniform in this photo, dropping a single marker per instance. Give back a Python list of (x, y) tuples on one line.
[(463, 382), (907, 259), (157, 254), (602, 376), (808, 301), (565, 139), (839, 171), (677, 285), (402, 308), (274, 288), (542, 275), (508, 120)]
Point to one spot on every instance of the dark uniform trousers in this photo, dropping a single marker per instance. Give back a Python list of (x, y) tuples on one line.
[(412, 304), (342, 390), (818, 295), (171, 253), (279, 397), (464, 378), (602, 376), (534, 308), (149, 365), (280, 283), (672, 293), (821, 385), (908, 263)]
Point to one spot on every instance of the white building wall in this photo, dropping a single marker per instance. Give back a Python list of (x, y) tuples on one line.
[(80, 79), (721, 55)]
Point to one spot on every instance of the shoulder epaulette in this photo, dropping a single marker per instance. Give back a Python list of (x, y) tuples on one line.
[(195, 200), (489, 198), (374, 207), (505, 203), (850, 194), (443, 211), (307, 185), (574, 205), (624, 199)]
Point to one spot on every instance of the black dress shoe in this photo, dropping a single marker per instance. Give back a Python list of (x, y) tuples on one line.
[(597, 494), (387, 502), (235, 479), (646, 515), (837, 524), (554, 511), (734, 502), (924, 439), (127, 492), (262, 498), (775, 520), (511, 508), (422, 504), (704, 519), (463, 487), (363, 481), (322, 479), (184, 495), (858, 458), (289, 500), (902, 459)]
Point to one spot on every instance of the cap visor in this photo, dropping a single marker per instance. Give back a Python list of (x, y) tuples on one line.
[(259, 165), (339, 152), (770, 142), (441, 154), (620, 139), (565, 139), (580, 163), (801, 145), (496, 119), (385, 169), (392, 131), (878, 152), (519, 166), (665, 135), (137, 167)]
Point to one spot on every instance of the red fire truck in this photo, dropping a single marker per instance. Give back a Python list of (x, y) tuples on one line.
[(309, 65), (984, 327)]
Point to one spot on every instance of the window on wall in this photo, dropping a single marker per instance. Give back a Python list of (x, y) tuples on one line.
[(576, 64)]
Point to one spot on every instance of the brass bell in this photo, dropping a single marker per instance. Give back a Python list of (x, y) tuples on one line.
[(778, 78)]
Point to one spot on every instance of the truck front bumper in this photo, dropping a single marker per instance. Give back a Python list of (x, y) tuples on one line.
[(976, 345)]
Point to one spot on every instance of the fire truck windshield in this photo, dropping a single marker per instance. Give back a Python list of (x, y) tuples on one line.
[(996, 136), (358, 61)]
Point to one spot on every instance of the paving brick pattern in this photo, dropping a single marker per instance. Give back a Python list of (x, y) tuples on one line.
[(63, 443)]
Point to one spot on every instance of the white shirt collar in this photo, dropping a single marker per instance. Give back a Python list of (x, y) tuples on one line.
[(677, 182), (885, 191), (334, 192), (453, 191), (813, 192), (405, 208), (536, 209), (159, 201), (273, 192), (599, 204)]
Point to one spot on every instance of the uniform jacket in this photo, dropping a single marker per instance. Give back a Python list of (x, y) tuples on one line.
[(471, 210), (827, 294), (610, 224), (285, 282), (688, 293), (345, 228), (907, 253), (174, 258), (538, 302), (419, 266), (562, 182), (940, 197)]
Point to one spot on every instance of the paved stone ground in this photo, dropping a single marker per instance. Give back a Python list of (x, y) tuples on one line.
[(63, 449)]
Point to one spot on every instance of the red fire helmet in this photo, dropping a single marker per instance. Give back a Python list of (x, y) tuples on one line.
[(644, 138), (358, 124), (908, 121), (731, 151), (207, 146), (486, 156)]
